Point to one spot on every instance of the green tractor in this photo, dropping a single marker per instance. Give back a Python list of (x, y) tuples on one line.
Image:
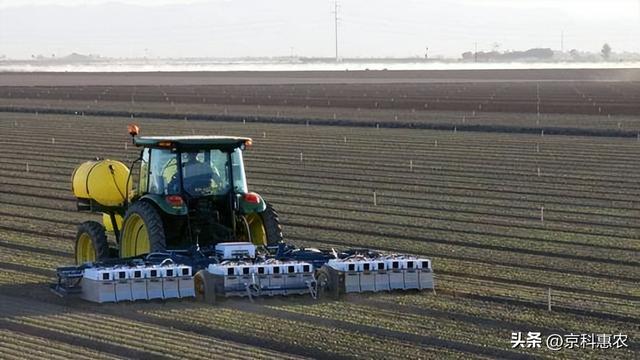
[(187, 193)]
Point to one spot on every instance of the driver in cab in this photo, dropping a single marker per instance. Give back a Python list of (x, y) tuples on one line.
[(194, 167), (197, 174)]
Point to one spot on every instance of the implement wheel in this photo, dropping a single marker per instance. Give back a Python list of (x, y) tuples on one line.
[(328, 283), (142, 231), (91, 243), (205, 287), (265, 227)]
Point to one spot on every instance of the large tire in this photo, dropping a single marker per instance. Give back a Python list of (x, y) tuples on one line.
[(205, 287), (91, 243), (264, 227), (271, 222), (142, 231)]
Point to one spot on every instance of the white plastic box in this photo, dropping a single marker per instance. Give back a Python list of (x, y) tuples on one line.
[(231, 275), (351, 270), (245, 274), (368, 276), (218, 269), (277, 279), (297, 280), (186, 286), (291, 276), (169, 282), (138, 284), (98, 285), (263, 274), (153, 277), (306, 271), (122, 284), (411, 279), (425, 274), (381, 277), (396, 276), (236, 250)]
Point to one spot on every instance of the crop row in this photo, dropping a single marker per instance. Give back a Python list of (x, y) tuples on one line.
[(474, 263), (384, 173), (335, 339), (361, 117), (443, 264), (454, 247), (437, 174), (327, 138), (135, 335), (442, 231), (469, 157), (528, 225), (620, 224), (552, 97), (242, 325), (454, 211), (494, 259), (18, 345), (417, 321), (363, 213), (406, 241), (165, 332)]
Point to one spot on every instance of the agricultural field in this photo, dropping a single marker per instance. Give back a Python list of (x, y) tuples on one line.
[(507, 218), (593, 98), (552, 105)]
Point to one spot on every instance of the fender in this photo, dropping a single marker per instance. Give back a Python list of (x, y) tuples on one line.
[(250, 207)]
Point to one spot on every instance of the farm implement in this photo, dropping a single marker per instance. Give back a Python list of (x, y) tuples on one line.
[(191, 228)]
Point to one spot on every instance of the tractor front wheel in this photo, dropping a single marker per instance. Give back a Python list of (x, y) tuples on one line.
[(91, 243), (142, 231)]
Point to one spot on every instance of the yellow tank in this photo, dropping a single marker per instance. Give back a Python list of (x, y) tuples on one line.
[(104, 181)]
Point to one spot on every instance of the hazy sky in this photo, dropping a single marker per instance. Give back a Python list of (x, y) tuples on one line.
[(231, 28)]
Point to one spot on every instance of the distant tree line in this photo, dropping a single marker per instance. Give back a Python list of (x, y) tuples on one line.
[(531, 54)]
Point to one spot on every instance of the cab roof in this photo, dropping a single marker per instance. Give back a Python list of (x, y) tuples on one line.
[(192, 142)]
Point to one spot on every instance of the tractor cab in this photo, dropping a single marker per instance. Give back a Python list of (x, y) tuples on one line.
[(192, 167), (199, 182)]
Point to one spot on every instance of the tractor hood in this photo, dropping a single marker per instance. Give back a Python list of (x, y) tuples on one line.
[(192, 142)]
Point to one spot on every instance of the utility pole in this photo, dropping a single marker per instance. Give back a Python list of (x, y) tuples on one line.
[(562, 41), (475, 54), (335, 20)]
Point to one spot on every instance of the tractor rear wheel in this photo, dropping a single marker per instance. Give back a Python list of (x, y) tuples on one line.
[(142, 231), (265, 227), (91, 243), (272, 225), (205, 287)]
